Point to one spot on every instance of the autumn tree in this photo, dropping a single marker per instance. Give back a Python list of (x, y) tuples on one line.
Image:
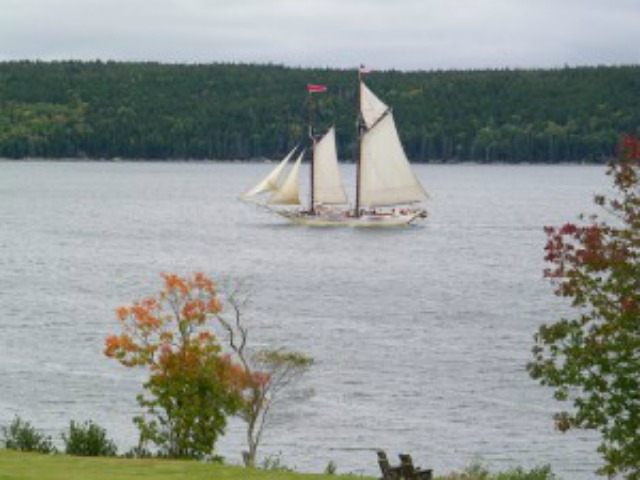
[(192, 385), (593, 359), (267, 374)]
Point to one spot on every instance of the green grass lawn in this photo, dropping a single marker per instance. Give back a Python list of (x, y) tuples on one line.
[(31, 466)]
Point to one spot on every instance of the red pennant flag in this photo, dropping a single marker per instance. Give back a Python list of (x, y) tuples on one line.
[(311, 88)]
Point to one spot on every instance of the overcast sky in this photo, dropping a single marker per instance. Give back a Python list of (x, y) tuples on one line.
[(383, 34)]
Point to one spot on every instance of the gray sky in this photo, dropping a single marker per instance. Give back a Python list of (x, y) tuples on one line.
[(383, 34)]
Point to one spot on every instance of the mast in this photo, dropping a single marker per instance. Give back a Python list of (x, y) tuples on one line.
[(313, 151), (359, 142)]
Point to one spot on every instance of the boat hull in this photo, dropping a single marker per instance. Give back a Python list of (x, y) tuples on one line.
[(363, 221)]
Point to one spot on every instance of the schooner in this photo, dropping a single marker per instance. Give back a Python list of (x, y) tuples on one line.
[(385, 182)]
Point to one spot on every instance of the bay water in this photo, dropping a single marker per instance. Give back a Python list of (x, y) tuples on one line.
[(420, 335)]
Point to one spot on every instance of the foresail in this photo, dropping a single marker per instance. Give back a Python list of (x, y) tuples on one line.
[(386, 177), (371, 107), (289, 191), (328, 188), (272, 180)]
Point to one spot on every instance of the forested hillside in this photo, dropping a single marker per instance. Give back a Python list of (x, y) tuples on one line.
[(228, 111)]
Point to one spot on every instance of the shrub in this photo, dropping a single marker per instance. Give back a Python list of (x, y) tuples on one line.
[(21, 435), (478, 471), (138, 452), (274, 463), (538, 473), (88, 440), (331, 468)]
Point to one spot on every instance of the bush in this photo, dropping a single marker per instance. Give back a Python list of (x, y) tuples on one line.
[(21, 435), (331, 468), (88, 440), (538, 473), (274, 463), (138, 452), (478, 471)]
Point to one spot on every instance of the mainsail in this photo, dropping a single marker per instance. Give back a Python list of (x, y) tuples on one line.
[(272, 181), (328, 188), (289, 191), (386, 177)]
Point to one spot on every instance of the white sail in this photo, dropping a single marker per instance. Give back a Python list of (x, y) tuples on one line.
[(272, 181), (386, 177), (289, 191), (371, 107), (328, 188)]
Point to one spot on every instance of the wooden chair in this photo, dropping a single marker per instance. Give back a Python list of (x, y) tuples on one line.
[(409, 472), (388, 472)]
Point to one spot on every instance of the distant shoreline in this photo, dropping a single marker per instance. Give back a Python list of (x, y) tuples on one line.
[(147, 110), (257, 161)]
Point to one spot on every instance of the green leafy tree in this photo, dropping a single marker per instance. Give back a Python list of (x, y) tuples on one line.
[(192, 387), (593, 359)]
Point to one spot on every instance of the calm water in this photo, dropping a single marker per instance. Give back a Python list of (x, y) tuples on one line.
[(421, 335)]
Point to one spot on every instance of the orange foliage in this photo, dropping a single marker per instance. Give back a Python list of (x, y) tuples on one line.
[(122, 313), (174, 326), (175, 284), (111, 345), (214, 306), (202, 282), (237, 376), (260, 379), (205, 337)]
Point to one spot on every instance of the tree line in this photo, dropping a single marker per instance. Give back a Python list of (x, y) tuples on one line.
[(73, 109)]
